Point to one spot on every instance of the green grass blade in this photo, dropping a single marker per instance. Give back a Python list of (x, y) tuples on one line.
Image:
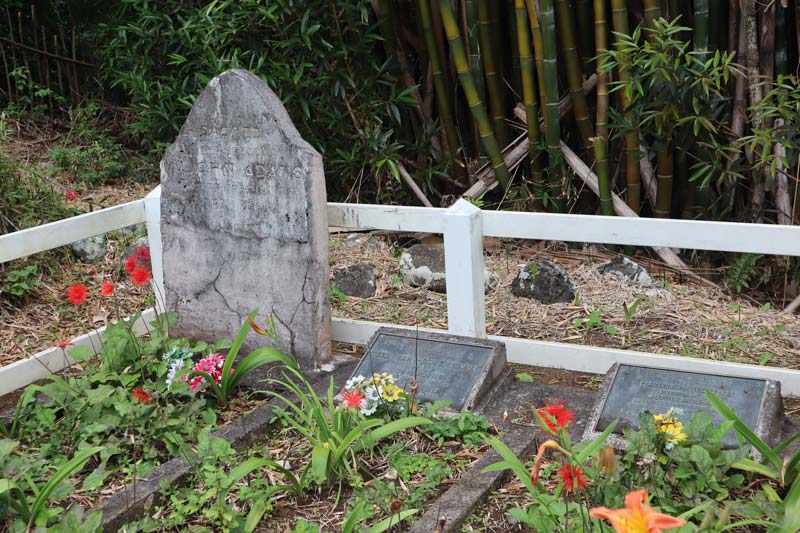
[(744, 431), (596, 444), (748, 465), (513, 462), (66, 470), (393, 520), (395, 426)]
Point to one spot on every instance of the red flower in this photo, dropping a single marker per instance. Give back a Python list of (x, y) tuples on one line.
[(573, 478), (108, 289), (70, 195), (353, 398), (77, 294), (63, 344), (130, 264), (558, 413), (142, 254), (141, 395), (140, 276)]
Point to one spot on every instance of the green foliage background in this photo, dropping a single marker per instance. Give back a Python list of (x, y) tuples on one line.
[(324, 59)]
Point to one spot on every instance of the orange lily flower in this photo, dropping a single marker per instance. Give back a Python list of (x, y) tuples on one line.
[(546, 445), (636, 517), (258, 329)]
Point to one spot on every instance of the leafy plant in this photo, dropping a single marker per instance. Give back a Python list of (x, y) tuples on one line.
[(631, 310), (34, 512), (472, 429), (230, 377), (782, 471), (20, 283), (337, 295), (741, 272), (333, 432)]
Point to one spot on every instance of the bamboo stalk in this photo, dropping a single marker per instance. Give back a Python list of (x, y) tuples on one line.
[(475, 61), (601, 44), (701, 17), (600, 142), (782, 202), (619, 14), (652, 10), (516, 70), (413, 185), (517, 150), (733, 21), (603, 178), (529, 96), (536, 34), (738, 111), (440, 87), (470, 92), (552, 122), (566, 28), (766, 44), (494, 85), (664, 181)]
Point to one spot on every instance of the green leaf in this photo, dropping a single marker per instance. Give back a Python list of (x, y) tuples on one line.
[(319, 463), (395, 426), (393, 520), (257, 511), (523, 376), (744, 431)]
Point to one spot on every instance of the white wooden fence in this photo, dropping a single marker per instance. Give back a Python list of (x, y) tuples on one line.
[(464, 226)]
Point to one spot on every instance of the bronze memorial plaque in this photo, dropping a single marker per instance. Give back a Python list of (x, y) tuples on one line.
[(461, 370), (630, 390)]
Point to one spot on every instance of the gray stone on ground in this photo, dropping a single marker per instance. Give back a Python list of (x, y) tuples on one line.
[(626, 270), (356, 280), (244, 222), (422, 265), (544, 282), (90, 250), (362, 241), (131, 251)]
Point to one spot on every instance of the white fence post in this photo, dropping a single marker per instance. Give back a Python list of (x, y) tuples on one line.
[(152, 214), (463, 257)]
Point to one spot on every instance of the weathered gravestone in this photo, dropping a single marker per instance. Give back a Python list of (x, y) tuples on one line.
[(629, 390), (461, 370), (244, 221)]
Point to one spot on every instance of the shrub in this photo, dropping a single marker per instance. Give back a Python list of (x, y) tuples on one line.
[(318, 56)]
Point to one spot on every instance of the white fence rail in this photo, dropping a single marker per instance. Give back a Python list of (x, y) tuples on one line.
[(464, 227)]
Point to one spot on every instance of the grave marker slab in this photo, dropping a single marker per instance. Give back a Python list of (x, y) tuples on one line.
[(629, 390), (462, 370), (244, 221)]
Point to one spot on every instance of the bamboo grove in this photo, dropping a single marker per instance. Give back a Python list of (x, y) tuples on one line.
[(680, 108)]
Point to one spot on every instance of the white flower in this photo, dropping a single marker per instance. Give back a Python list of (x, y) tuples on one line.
[(373, 392), (353, 382), (174, 366), (368, 407)]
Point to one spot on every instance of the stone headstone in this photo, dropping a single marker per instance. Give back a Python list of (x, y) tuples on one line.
[(629, 390), (244, 221), (356, 280), (422, 265), (463, 370), (90, 250), (626, 270), (544, 282)]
